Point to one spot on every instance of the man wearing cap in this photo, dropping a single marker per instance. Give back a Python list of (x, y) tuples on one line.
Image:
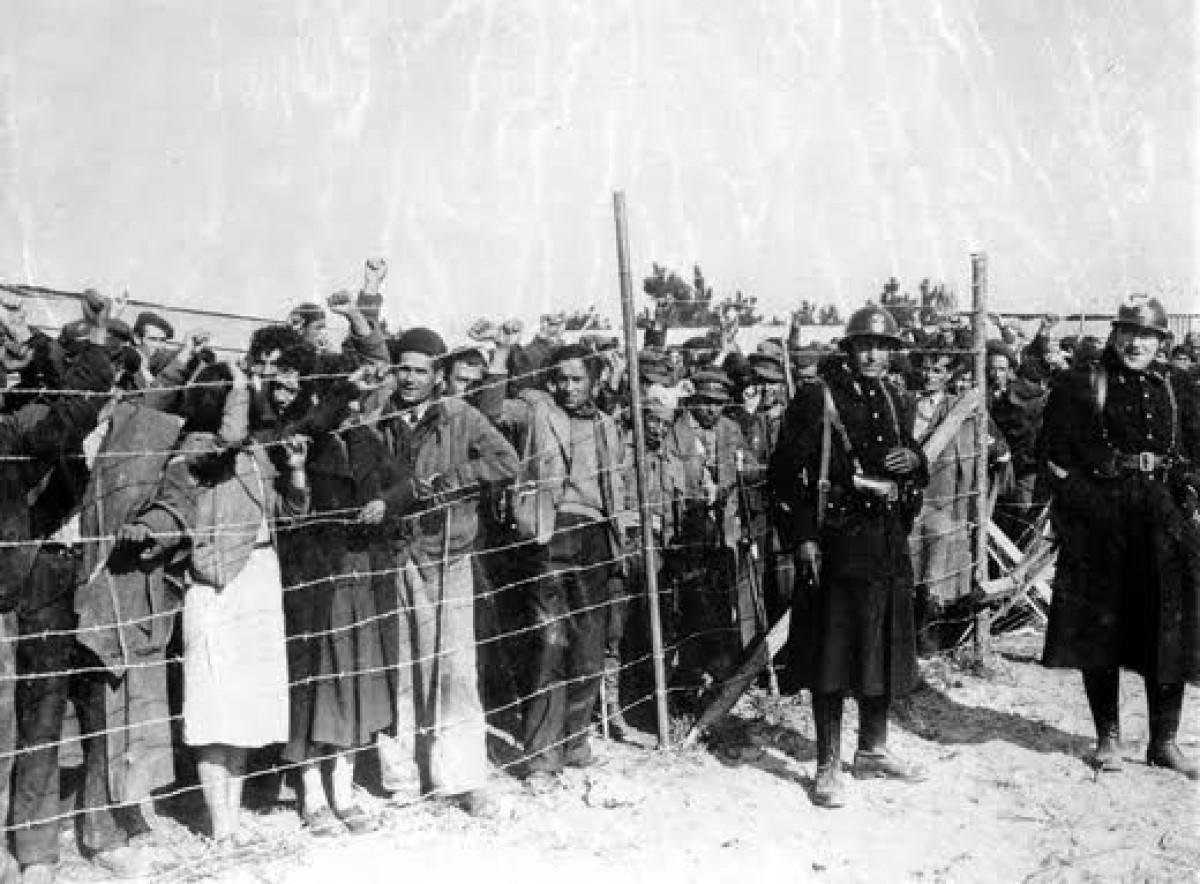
[(715, 615), (848, 474), (451, 451), (1122, 444)]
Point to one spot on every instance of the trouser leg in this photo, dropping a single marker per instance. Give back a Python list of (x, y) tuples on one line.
[(588, 599), (99, 830), (43, 661), (455, 723), (544, 711), (8, 719)]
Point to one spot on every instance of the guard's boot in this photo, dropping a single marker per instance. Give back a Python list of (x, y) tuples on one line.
[(618, 727), (828, 790), (1103, 687), (1166, 706), (872, 759)]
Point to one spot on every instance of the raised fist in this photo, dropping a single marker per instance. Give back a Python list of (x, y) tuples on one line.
[(483, 330), (374, 273)]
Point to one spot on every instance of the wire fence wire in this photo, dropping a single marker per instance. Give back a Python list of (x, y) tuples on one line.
[(707, 586)]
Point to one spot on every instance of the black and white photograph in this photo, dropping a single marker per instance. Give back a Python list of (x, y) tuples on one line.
[(569, 441)]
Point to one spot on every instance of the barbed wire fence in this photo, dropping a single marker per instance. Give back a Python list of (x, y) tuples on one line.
[(691, 620)]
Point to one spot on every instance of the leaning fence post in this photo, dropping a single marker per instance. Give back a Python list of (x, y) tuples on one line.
[(649, 559), (983, 624)]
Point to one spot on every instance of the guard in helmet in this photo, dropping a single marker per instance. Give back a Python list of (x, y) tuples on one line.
[(847, 474), (1122, 442)]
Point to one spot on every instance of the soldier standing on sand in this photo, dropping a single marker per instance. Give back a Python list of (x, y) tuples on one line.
[(847, 474), (1122, 443)]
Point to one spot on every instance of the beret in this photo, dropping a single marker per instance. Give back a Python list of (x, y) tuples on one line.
[(421, 340), (147, 317), (307, 313)]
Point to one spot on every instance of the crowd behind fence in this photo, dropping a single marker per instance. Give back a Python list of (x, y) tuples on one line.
[(709, 581)]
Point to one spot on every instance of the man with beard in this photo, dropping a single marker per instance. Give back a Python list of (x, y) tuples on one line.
[(848, 473), (1123, 448)]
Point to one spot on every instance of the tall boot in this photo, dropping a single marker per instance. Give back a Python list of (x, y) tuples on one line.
[(1166, 707), (1103, 689), (872, 758), (828, 790)]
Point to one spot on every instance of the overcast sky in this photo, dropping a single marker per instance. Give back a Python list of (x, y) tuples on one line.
[(248, 156)]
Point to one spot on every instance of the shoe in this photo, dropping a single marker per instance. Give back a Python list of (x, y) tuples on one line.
[(478, 803), (124, 862), (882, 764), (542, 782), (1171, 757), (828, 790), (38, 873), (322, 823), (357, 820), (582, 757), (1106, 757)]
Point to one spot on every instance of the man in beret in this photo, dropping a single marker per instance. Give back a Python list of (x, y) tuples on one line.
[(1122, 443), (451, 451), (151, 335)]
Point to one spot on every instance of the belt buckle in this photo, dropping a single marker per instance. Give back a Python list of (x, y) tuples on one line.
[(1146, 461)]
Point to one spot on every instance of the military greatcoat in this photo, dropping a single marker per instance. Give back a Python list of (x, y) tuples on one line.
[(1127, 582), (852, 632)]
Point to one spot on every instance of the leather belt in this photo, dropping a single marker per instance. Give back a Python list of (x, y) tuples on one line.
[(1143, 462)]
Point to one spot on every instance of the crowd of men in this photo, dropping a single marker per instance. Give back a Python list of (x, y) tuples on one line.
[(386, 546)]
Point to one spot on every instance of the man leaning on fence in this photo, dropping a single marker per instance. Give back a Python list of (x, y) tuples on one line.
[(849, 474), (450, 450), (575, 475), (36, 440), (1122, 443)]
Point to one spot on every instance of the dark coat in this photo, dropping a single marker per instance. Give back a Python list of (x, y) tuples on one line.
[(340, 614), (1127, 583), (1018, 411), (853, 632)]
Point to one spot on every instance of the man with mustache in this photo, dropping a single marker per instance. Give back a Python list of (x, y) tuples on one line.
[(848, 474), (1122, 443)]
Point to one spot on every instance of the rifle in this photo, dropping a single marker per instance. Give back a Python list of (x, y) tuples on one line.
[(750, 546)]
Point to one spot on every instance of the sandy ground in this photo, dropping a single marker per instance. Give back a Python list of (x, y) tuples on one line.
[(1008, 799)]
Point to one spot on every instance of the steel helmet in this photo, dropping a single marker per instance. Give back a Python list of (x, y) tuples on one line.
[(1144, 312), (873, 321)]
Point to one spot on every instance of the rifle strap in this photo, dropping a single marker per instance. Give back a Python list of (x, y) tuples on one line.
[(830, 421)]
